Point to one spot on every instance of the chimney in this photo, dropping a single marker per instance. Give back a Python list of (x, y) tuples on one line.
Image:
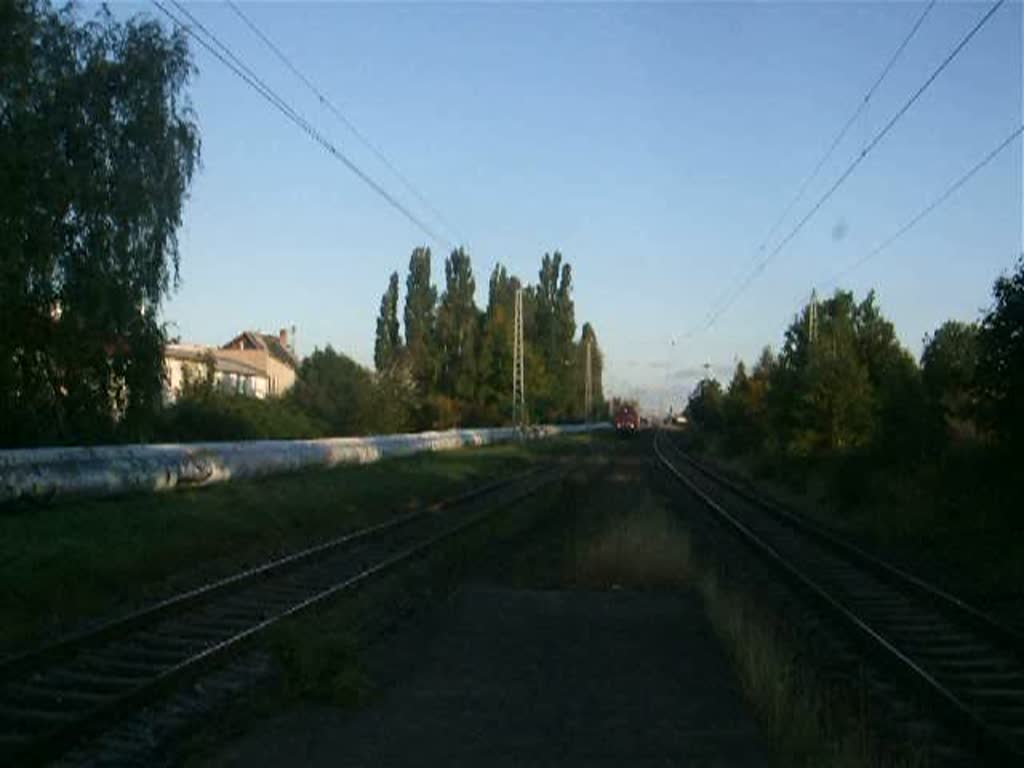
[(283, 336)]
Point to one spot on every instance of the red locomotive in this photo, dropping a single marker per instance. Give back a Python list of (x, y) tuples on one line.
[(627, 420)]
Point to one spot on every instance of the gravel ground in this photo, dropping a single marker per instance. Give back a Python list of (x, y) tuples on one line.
[(522, 666)]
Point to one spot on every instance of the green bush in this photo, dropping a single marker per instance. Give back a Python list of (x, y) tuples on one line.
[(221, 416)]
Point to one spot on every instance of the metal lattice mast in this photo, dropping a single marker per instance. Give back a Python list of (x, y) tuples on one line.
[(588, 396), (518, 369)]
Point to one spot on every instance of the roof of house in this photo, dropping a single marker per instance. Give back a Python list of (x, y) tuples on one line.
[(227, 365), (186, 351), (267, 341), (199, 353)]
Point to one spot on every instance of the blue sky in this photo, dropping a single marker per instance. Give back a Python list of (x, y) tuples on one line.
[(654, 145)]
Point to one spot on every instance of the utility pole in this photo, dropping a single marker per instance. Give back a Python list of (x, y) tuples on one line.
[(518, 372), (588, 397)]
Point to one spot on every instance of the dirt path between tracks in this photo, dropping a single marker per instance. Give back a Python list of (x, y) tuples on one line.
[(582, 645)]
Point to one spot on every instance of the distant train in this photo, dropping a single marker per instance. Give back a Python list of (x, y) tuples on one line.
[(627, 420)]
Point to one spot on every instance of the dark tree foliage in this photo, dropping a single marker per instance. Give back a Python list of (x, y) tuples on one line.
[(554, 327), (746, 415), (600, 407), (337, 392), (704, 407), (394, 403), (421, 321), (214, 415), (388, 343), (97, 148), (898, 396), (457, 329), (823, 386), (922, 454), (460, 358), (1000, 373), (843, 385), (496, 343), (949, 364)]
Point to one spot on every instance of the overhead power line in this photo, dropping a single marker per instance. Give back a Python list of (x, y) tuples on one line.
[(856, 162), (911, 223), (845, 129), (229, 59), (340, 116)]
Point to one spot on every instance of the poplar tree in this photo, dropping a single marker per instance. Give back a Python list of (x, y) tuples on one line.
[(388, 341), (555, 327), (457, 323), (495, 371), (588, 334), (421, 321)]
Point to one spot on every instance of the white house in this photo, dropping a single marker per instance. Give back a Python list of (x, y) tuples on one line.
[(183, 362)]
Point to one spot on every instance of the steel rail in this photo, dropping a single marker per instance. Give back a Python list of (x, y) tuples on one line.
[(997, 630), (991, 744), (57, 741), (17, 665)]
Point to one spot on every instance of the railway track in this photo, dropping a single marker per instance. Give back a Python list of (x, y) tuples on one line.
[(965, 666), (55, 698)]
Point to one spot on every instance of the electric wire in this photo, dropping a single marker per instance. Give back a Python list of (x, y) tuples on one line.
[(853, 165), (340, 116), (924, 212), (843, 131), (246, 74)]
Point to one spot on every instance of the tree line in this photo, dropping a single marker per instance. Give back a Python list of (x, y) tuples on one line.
[(843, 393), (98, 146), (454, 361), (446, 363)]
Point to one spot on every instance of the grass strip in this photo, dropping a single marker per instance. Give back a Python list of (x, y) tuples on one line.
[(808, 721), (66, 563)]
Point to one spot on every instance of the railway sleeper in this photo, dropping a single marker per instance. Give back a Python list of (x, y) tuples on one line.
[(968, 678), (933, 640), (10, 740), (322, 585), (893, 616), (244, 619), (38, 719), (206, 635), (152, 655), (224, 622), (222, 686), (176, 645), (1000, 696), (124, 745), (887, 600), (952, 650), (987, 665), (280, 598), (30, 692), (187, 636), (136, 666), (91, 681), (258, 611), (219, 633), (927, 628), (1002, 716), (145, 645)]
